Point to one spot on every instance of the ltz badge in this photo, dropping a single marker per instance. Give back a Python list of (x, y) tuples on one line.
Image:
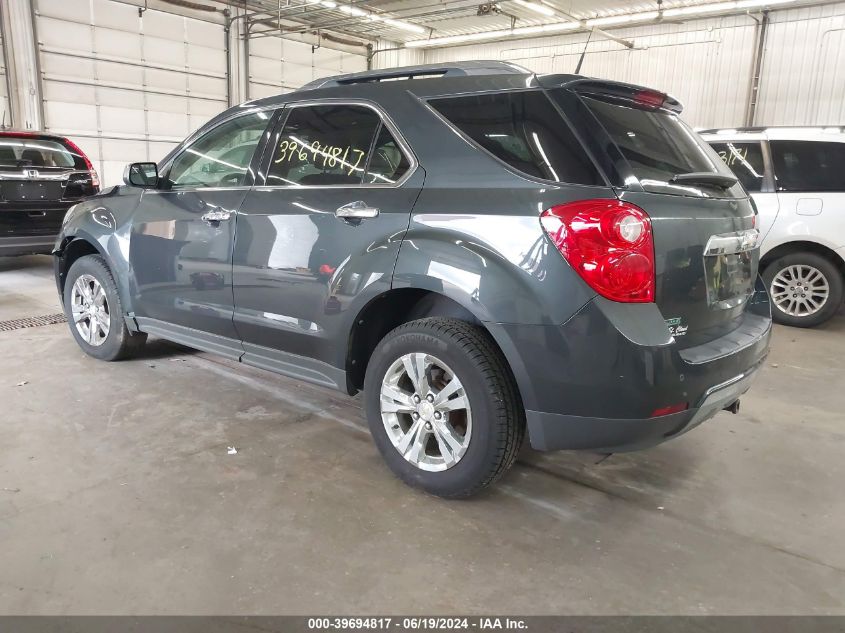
[(676, 327)]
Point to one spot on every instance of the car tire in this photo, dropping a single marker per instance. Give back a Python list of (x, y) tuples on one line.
[(90, 283), (817, 284), (458, 450)]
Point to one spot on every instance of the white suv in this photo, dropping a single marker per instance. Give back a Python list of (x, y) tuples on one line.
[(796, 177)]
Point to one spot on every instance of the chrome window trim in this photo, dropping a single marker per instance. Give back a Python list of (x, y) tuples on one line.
[(385, 119)]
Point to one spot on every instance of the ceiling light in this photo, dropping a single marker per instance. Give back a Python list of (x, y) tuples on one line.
[(492, 35), (401, 24), (374, 17), (537, 7), (352, 10), (627, 18), (716, 7)]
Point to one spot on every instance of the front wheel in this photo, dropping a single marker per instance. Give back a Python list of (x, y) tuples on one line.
[(94, 312), (443, 407), (805, 289)]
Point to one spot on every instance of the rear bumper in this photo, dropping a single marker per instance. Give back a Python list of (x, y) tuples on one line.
[(27, 245), (597, 381), (551, 431)]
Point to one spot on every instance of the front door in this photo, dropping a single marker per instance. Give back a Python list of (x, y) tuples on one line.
[(318, 236), (183, 233)]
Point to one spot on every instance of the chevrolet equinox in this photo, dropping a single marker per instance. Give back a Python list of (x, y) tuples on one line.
[(482, 251)]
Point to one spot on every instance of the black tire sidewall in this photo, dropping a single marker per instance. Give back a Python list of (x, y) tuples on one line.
[(826, 267), (482, 451), (113, 346)]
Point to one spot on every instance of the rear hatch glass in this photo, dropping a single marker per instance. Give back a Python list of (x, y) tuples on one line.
[(661, 149), (32, 168), (18, 152), (702, 219)]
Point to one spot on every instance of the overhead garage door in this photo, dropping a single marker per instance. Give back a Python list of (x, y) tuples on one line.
[(127, 88), (277, 66)]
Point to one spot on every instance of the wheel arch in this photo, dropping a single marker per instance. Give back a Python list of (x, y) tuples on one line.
[(73, 247), (798, 246), (400, 305)]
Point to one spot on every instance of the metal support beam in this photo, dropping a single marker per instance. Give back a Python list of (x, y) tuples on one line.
[(756, 68), (22, 68)]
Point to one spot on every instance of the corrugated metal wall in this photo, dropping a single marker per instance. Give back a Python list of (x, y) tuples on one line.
[(126, 87), (706, 63), (803, 80), (280, 65), (5, 112)]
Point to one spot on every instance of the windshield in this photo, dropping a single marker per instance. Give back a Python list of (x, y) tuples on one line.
[(659, 146), (21, 152)]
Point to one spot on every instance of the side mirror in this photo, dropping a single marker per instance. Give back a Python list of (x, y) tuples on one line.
[(141, 175)]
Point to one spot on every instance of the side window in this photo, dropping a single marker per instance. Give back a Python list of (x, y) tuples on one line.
[(745, 160), (388, 162), (808, 165), (221, 157), (524, 130), (324, 145)]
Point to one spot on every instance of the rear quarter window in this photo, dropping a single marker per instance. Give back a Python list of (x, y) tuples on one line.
[(808, 165), (524, 130)]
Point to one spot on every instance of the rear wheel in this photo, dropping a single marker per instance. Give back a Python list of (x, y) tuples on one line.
[(94, 312), (805, 289), (443, 407)]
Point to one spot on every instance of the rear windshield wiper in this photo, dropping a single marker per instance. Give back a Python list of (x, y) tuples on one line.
[(704, 178)]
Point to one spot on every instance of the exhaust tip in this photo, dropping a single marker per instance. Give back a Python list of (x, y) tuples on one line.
[(733, 407)]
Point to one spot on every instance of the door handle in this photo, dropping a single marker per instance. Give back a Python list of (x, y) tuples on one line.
[(357, 210), (213, 217)]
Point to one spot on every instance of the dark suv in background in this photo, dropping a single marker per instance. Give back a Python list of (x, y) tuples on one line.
[(482, 250), (41, 176)]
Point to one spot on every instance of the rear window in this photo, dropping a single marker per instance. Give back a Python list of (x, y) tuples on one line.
[(23, 152), (656, 143), (808, 165), (524, 130)]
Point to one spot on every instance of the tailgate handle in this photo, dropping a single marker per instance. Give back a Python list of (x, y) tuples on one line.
[(732, 243)]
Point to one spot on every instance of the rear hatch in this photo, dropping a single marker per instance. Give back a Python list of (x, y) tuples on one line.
[(702, 220), (40, 176)]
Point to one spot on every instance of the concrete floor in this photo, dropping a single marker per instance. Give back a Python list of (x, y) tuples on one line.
[(118, 495)]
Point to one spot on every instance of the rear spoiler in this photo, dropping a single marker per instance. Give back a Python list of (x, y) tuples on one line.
[(637, 96)]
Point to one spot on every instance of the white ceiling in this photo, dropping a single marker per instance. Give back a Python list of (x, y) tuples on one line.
[(442, 18)]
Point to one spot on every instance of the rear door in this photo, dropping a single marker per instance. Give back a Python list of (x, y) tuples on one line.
[(810, 184), (318, 235), (705, 268), (39, 178)]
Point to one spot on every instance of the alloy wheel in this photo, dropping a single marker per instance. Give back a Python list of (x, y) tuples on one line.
[(90, 310), (426, 412), (799, 290)]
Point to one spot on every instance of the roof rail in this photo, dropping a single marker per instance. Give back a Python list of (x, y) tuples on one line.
[(425, 71)]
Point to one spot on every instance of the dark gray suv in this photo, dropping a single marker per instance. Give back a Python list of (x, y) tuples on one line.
[(481, 250)]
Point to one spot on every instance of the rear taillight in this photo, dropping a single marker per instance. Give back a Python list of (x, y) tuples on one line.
[(73, 147), (608, 243)]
